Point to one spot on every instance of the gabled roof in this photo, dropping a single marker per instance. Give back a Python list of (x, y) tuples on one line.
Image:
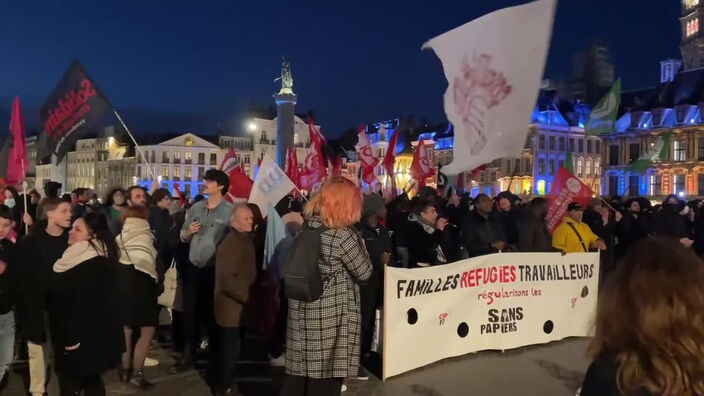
[(190, 140)]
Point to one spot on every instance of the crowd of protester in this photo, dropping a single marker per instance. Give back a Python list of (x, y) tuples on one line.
[(81, 279)]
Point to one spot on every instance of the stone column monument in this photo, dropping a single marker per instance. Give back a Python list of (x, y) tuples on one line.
[(285, 105)]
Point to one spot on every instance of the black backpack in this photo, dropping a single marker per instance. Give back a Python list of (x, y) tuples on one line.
[(302, 279)]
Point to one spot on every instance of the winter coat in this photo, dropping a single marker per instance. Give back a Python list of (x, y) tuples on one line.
[(39, 251), (669, 223), (533, 235), (83, 302), (479, 233), (427, 244), (235, 272), (377, 241), (323, 336)]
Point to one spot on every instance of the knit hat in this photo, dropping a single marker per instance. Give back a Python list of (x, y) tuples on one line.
[(372, 204)]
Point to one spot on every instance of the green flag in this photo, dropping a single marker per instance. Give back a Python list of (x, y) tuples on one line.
[(655, 153), (569, 162), (603, 115)]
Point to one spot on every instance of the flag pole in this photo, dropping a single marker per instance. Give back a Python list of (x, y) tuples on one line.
[(24, 194), (136, 145)]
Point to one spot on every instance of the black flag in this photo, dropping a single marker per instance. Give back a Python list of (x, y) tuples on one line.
[(75, 106)]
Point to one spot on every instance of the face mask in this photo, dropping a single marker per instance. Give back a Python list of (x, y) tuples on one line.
[(10, 202)]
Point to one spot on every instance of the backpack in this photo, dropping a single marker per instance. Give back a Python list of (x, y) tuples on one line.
[(302, 279)]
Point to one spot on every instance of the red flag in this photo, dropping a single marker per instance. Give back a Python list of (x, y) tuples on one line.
[(336, 165), (368, 160), (292, 165), (240, 184), (181, 198), (390, 157), (229, 162), (314, 168), (565, 189), (422, 166), (17, 158)]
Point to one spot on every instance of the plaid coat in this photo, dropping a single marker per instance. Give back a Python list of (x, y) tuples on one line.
[(323, 336)]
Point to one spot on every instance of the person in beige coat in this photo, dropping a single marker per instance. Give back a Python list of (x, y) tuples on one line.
[(235, 272)]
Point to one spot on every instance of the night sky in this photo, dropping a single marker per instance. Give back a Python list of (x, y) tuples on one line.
[(184, 66)]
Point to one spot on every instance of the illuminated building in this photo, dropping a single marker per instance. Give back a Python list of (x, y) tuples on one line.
[(692, 44)]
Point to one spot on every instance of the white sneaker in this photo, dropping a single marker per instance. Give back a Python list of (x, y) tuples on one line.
[(344, 388), (278, 362), (362, 375), (423, 265), (149, 362)]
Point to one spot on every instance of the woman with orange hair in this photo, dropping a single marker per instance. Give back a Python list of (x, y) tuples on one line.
[(322, 340), (650, 325)]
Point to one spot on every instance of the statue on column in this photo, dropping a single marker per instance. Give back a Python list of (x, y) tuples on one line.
[(286, 78)]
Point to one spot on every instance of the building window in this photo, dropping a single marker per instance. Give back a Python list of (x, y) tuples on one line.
[(189, 173), (692, 27), (527, 166), (679, 184), (201, 172), (680, 150), (541, 142), (700, 183), (139, 172), (201, 188), (580, 146), (700, 155), (177, 172), (201, 158), (613, 185), (189, 157), (246, 159), (588, 166), (597, 167), (541, 166), (165, 171), (597, 146), (165, 157), (213, 159), (561, 143), (655, 185), (579, 167), (633, 182), (153, 156), (551, 167), (571, 148), (551, 143), (589, 146), (613, 156), (187, 189), (560, 164), (633, 152), (177, 157)]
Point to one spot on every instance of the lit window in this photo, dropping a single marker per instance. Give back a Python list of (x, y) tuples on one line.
[(541, 187), (692, 27), (579, 167)]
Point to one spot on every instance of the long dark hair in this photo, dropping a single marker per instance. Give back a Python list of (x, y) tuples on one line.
[(109, 200), (98, 228)]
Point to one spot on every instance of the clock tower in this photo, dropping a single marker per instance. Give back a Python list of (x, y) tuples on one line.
[(692, 45)]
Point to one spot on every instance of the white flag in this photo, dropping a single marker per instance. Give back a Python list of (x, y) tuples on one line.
[(270, 186), (493, 66)]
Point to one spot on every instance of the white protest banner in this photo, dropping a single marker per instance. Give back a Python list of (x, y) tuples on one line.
[(270, 186), (499, 301), (493, 66)]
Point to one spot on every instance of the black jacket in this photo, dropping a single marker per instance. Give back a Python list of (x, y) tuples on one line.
[(600, 379), (669, 223), (8, 279), (83, 302), (631, 230), (509, 221), (162, 224), (478, 233), (423, 245), (377, 241), (39, 251), (533, 235)]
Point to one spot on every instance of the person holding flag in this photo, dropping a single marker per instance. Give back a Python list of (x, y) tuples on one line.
[(366, 157), (574, 236)]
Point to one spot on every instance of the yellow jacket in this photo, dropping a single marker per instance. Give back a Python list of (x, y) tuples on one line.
[(565, 239)]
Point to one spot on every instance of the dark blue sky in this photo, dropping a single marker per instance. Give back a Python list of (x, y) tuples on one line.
[(185, 65)]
